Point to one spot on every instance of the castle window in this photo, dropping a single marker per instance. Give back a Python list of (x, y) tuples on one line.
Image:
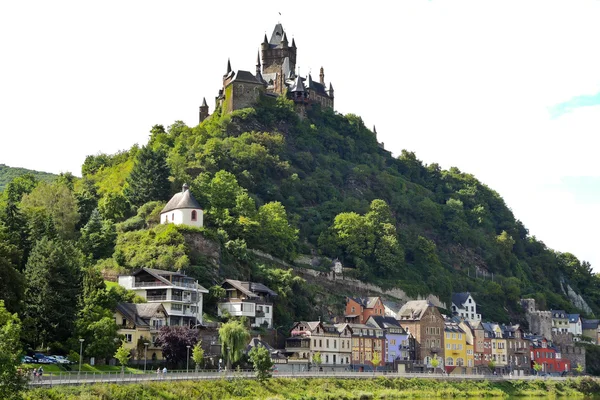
[(194, 215)]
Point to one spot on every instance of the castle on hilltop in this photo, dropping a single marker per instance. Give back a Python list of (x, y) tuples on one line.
[(275, 76)]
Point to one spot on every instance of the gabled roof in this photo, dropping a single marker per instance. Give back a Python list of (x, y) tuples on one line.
[(413, 310), (247, 77), (450, 326), (384, 322), (160, 274), (181, 200), (459, 299), (340, 327), (250, 288), (257, 341), (140, 314), (561, 314), (366, 302)]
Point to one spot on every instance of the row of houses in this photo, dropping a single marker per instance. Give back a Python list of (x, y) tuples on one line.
[(418, 337)]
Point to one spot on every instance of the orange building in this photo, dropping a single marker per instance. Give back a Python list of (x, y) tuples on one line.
[(359, 309)]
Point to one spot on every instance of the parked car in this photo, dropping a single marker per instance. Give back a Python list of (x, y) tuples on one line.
[(27, 360), (43, 359), (61, 359)]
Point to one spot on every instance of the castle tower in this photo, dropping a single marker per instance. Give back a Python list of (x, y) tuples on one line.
[(330, 91), (276, 50), (203, 110)]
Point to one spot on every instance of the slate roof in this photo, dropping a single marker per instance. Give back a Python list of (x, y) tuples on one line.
[(181, 200), (460, 299), (298, 86), (140, 314), (385, 322), (276, 36), (590, 324), (246, 76), (250, 288), (573, 318), (366, 302), (257, 341), (204, 102), (561, 314)]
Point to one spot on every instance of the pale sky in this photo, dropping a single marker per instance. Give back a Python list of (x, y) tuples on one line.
[(506, 90)]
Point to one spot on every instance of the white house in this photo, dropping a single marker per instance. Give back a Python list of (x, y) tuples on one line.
[(464, 306), (575, 325), (248, 299), (180, 295), (183, 209)]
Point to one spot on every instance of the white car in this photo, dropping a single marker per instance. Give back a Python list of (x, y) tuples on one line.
[(60, 359)]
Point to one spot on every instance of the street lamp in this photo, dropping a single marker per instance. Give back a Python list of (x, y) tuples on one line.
[(188, 360), (80, 353), (145, 355)]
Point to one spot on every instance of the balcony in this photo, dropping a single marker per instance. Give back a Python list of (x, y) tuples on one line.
[(522, 350), (141, 284), (157, 298), (297, 344)]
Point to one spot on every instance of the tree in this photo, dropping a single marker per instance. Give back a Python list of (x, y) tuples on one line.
[(11, 280), (114, 207), (376, 360), (234, 337), (149, 178), (261, 360), (123, 354), (174, 340), (317, 359), (435, 363), (492, 365), (11, 380), (274, 233), (98, 237), (198, 354), (58, 202), (537, 367), (579, 369), (53, 287)]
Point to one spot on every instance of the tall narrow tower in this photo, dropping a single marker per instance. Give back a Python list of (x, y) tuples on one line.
[(203, 110)]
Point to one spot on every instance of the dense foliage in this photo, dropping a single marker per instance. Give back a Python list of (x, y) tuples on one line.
[(325, 389), (7, 174), (319, 186)]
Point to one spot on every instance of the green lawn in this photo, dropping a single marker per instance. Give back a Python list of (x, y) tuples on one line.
[(110, 284), (56, 368)]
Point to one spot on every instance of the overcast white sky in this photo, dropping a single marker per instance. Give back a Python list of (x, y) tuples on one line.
[(506, 90)]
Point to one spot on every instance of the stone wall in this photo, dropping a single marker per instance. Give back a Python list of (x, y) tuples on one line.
[(540, 322), (244, 94)]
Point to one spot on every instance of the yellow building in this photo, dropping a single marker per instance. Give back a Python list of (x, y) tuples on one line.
[(470, 343), (455, 352), (139, 324)]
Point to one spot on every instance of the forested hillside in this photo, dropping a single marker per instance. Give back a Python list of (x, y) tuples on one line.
[(7, 174), (271, 181)]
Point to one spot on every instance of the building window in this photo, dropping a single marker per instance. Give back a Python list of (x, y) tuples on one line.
[(128, 338), (194, 215), (353, 309), (124, 322), (172, 216), (449, 361), (327, 343)]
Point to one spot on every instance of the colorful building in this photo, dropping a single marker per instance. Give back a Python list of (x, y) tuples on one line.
[(399, 343), (359, 309), (426, 323), (455, 350), (519, 361), (367, 340), (548, 356)]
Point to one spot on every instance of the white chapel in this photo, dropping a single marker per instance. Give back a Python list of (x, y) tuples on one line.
[(183, 209)]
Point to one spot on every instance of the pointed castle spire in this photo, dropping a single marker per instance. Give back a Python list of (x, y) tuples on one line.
[(228, 66)]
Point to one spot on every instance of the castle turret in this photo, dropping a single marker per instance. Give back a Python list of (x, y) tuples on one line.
[(275, 51), (284, 41), (203, 110), (298, 91), (330, 91), (322, 77), (258, 63), (374, 131), (293, 43)]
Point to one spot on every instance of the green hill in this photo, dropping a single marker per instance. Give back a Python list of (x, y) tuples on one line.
[(397, 222), (7, 174)]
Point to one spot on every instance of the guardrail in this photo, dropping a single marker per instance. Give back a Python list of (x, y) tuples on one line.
[(75, 378)]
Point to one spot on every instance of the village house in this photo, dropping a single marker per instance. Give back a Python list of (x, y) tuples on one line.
[(590, 328), (426, 323), (180, 295), (483, 347), (499, 352), (575, 325), (331, 342), (519, 353), (464, 306), (400, 344), (359, 309), (139, 325), (455, 350), (560, 321), (367, 340), (548, 356), (248, 299)]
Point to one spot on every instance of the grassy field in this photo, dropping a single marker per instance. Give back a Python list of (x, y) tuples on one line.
[(322, 389), (57, 368)]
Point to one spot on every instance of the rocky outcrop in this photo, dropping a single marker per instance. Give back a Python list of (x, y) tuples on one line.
[(575, 298)]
